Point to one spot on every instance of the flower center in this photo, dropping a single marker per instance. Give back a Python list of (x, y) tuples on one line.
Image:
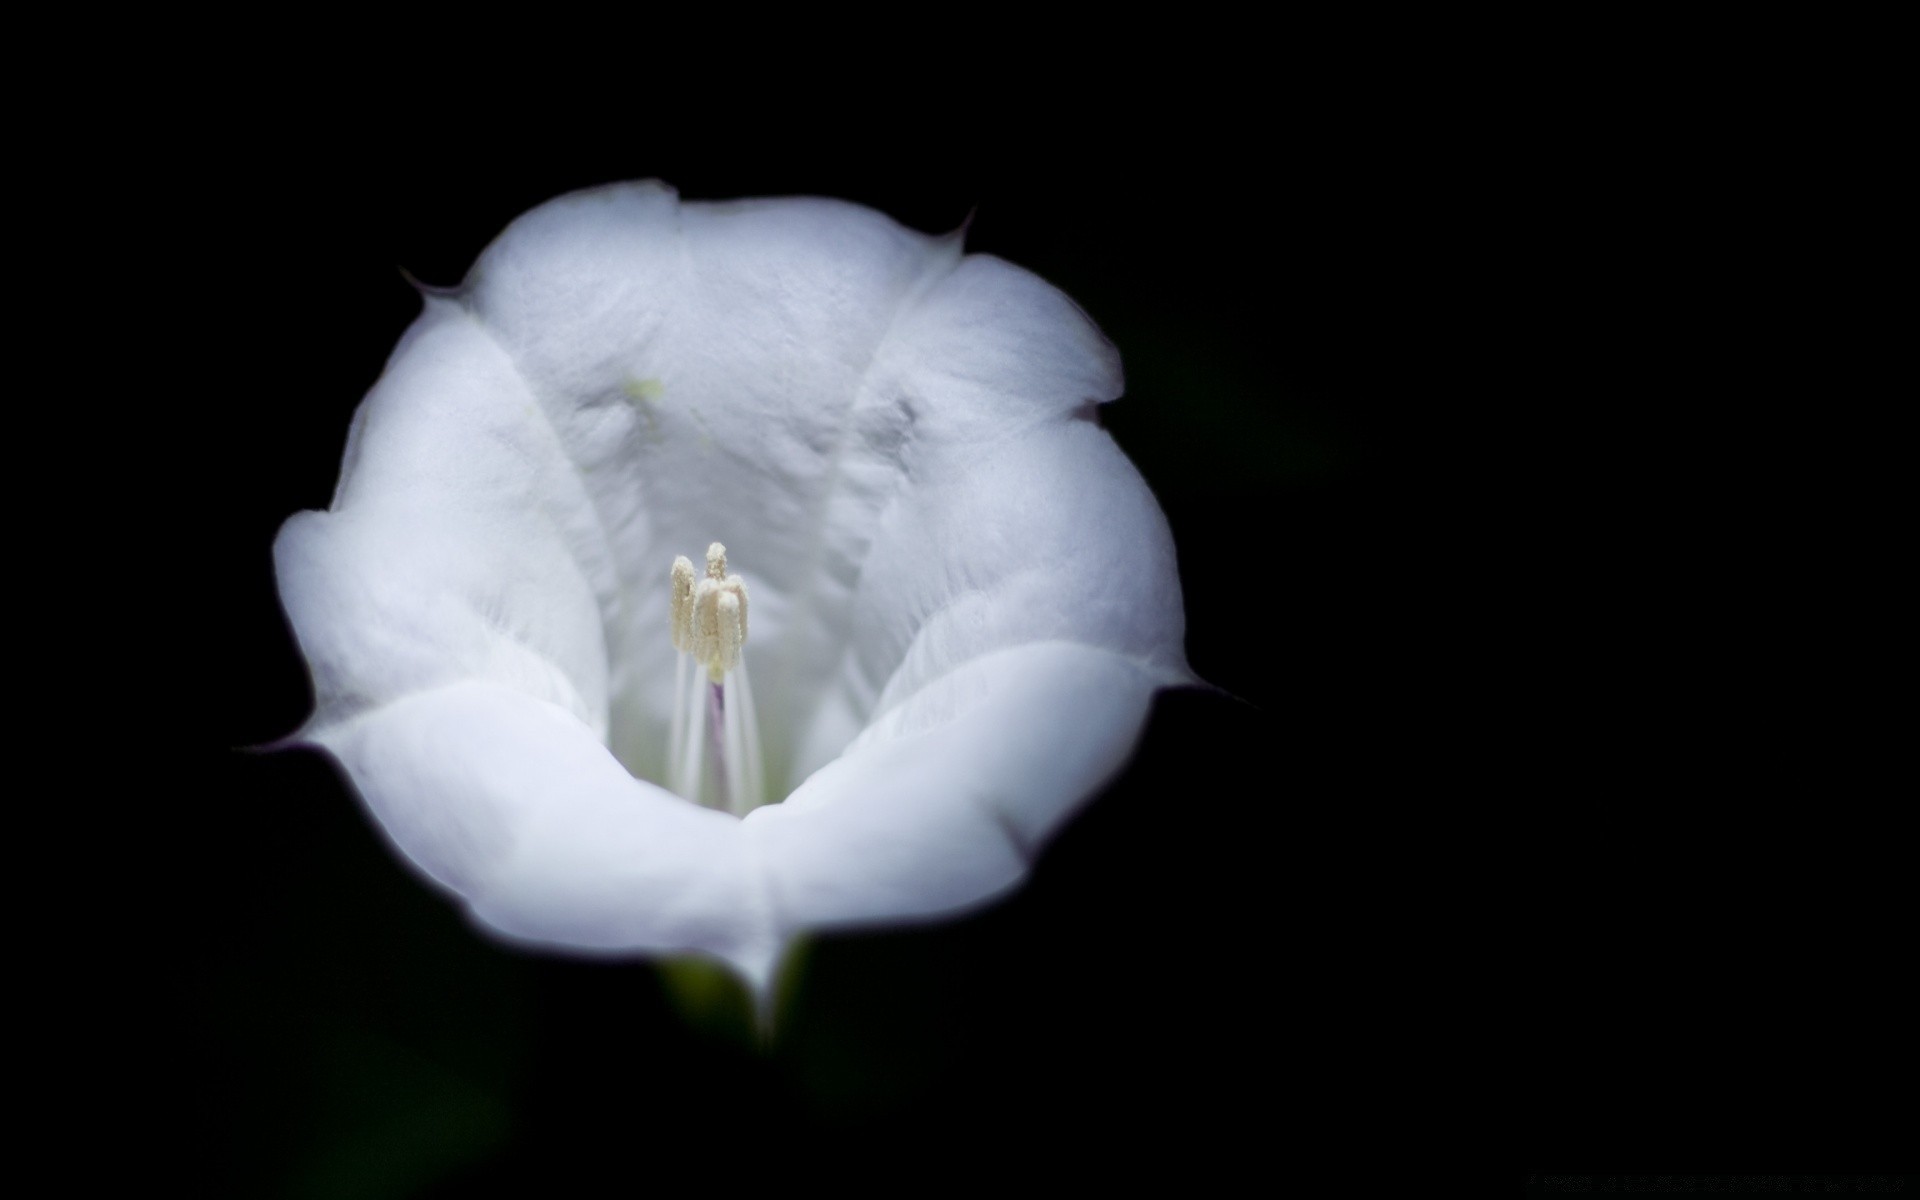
[(713, 747)]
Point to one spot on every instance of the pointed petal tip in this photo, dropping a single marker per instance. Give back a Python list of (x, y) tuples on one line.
[(291, 741), (757, 970), (958, 236), (428, 291), (306, 737)]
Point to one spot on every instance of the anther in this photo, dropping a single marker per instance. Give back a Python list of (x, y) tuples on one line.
[(709, 618), (682, 603), (710, 615)]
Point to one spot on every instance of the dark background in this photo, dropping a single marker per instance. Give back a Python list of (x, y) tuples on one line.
[(1463, 821), (331, 1026)]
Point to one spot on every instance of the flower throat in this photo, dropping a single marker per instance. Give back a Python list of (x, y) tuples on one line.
[(713, 717)]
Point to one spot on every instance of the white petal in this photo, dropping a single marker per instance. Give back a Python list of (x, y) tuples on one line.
[(1049, 535), (945, 803), (458, 545), (1019, 609), (514, 805)]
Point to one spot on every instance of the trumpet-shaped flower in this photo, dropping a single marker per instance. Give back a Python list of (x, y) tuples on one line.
[(954, 594)]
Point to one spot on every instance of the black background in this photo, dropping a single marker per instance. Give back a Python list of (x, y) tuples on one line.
[(328, 1025), (1437, 853)]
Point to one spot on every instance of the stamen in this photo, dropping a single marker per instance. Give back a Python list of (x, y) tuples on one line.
[(719, 617), (737, 683), (726, 770), (709, 622), (682, 604), (681, 620), (693, 750), (745, 794), (677, 732)]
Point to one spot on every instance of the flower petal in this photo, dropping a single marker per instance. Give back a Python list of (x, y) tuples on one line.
[(459, 545), (1045, 534), (513, 804), (945, 804), (1020, 607)]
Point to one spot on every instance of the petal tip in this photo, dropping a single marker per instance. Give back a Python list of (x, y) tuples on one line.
[(958, 236), (428, 291)]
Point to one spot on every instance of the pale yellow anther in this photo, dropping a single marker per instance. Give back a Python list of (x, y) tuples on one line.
[(726, 645), (682, 603), (713, 740), (710, 615)]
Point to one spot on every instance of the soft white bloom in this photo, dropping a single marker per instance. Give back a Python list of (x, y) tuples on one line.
[(962, 595)]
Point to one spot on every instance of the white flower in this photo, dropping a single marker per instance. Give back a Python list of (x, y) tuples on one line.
[(962, 595)]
